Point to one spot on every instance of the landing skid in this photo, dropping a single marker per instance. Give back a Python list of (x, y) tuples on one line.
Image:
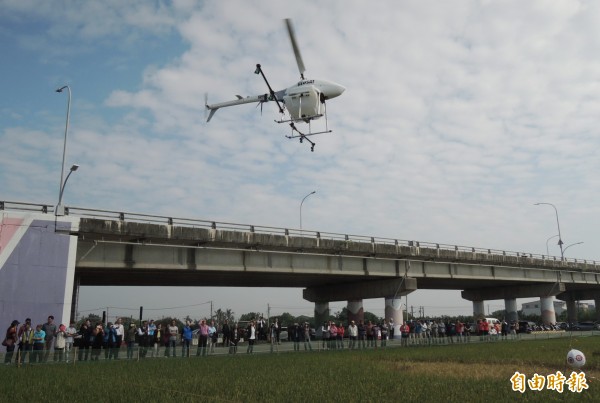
[(303, 136), (306, 119)]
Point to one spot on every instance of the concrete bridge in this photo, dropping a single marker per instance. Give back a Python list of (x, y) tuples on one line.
[(44, 260)]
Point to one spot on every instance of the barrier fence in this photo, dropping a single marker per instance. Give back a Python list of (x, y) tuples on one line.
[(78, 356), (417, 248)]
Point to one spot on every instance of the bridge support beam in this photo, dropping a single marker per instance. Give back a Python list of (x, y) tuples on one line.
[(393, 311), (548, 314), (321, 313), (510, 305), (355, 310), (571, 311), (478, 309), (397, 286), (571, 298), (517, 291)]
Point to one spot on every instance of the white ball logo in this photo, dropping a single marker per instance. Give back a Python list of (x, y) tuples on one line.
[(575, 359)]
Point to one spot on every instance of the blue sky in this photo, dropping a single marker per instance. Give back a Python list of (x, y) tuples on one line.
[(457, 118)]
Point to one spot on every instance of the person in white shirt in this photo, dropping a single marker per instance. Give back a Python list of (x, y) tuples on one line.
[(119, 334), (71, 335), (251, 333)]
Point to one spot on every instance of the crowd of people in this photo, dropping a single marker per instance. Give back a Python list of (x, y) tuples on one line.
[(150, 339)]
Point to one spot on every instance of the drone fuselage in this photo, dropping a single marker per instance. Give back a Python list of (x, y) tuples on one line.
[(302, 99), (329, 89)]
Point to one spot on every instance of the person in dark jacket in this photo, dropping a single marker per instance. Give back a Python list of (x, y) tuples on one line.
[(11, 341)]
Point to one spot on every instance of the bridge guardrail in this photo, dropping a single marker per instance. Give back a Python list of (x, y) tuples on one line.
[(446, 250)]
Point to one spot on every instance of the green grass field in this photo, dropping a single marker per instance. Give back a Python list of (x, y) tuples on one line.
[(459, 373)]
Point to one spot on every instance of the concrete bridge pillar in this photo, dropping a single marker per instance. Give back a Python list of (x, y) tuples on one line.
[(355, 310), (393, 310), (597, 304), (478, 309), (571, 311), (321, 313), (548, 314), (510, 305)]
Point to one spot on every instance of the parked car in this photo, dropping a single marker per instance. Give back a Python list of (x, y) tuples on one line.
[(562, 326), (586, 326), (526, 326)]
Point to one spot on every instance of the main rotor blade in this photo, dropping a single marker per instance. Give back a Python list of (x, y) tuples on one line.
[(292, 34)]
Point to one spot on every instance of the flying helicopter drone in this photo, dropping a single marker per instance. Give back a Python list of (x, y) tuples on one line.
[(303, 102)]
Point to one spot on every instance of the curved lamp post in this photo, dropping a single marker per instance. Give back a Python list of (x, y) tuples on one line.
[(61, 188), (60, 209), (573, 244), (560, 242), (301, 203)]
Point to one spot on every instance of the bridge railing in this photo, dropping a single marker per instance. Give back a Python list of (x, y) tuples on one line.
[(416, 248)]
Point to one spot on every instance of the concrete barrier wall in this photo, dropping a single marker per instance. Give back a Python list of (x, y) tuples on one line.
[(37, 267)]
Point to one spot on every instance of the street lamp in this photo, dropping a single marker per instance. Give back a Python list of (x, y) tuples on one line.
[(61, 187), (301, 203), (576, 243), (547, 250), (560, 242), (60, 209)]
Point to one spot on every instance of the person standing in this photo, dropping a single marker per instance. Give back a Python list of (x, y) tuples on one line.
[(307, 337), (20, 350), (273, 337), (297, 333), (173, 331), (384, 333), (153, 344), (362, 334), (353, 335), (39, 340), (325, 335), (370, 334), (234, 338), (143, 339), (203, 340), (109, 341), (226, 332), (49, 329), (156, 340), (130, 340), (25, 341), (375, 334), (61, 342), (252, 335), (187, 334), (460, 330), (212, 336), (340, 336), (86, 338), (332, 335), (119, 335), (98, 342), (70, 342), (10, 341), (404, 334)]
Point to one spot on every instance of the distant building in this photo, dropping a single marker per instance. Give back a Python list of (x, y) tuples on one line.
[(535, 307)]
